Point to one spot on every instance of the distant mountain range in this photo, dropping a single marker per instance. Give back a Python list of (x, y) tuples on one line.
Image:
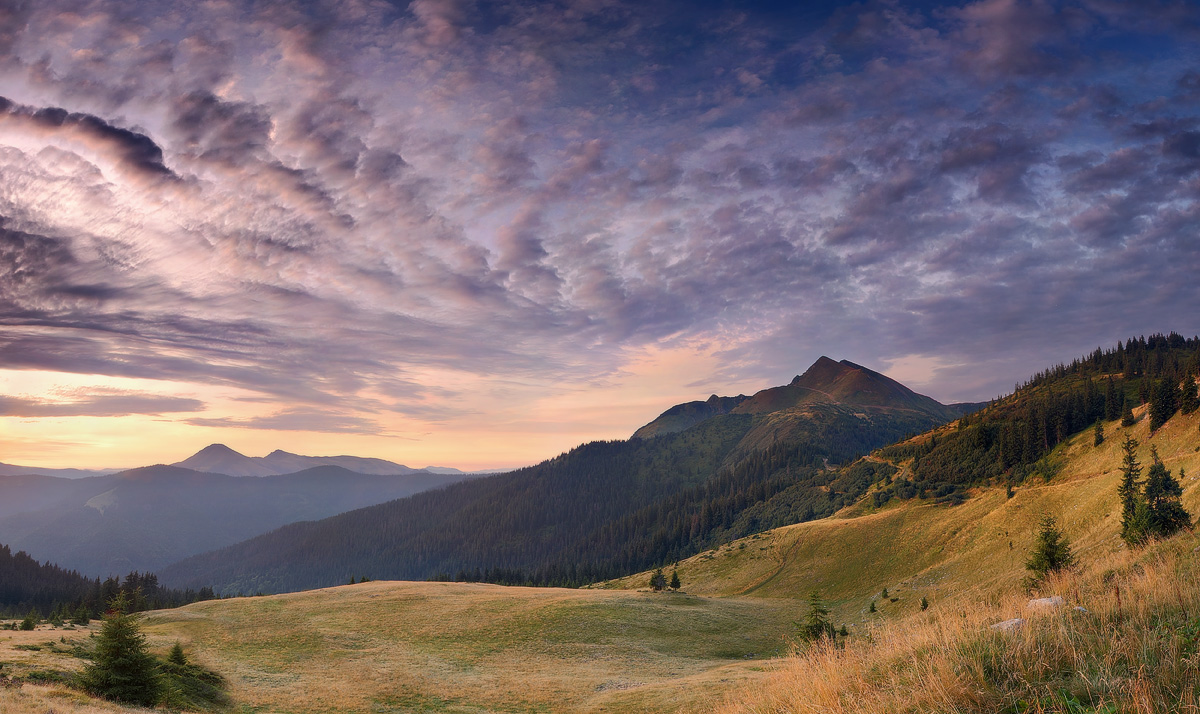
[(145, 518), (220, 459), (696, 474)]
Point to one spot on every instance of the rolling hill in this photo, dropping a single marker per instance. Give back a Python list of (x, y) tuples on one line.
[(607, 507)]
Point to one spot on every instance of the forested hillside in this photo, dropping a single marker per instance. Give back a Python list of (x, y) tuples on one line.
[(605, 508), (1005, 443), (27, 585)]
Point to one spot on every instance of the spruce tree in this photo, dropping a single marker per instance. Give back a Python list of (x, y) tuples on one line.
[(1051, 553), (1098, 434), (1129, 491), (122, 668), (817, 626), (1112, 402), (658, 581), (1127, 418), (1188, 401), (1164, 402), (675, 580), (1166, 515)]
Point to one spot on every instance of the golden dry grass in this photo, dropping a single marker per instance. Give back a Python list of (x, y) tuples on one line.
[(1133, 650), (454, 647)]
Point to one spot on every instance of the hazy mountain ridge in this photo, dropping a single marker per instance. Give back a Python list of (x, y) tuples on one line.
[(220, 459), (145, 518)]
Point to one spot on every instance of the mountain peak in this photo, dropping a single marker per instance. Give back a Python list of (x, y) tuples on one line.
[(217, 450), (220, 459)]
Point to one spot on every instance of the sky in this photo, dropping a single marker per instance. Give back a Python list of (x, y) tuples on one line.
[(476, 234)]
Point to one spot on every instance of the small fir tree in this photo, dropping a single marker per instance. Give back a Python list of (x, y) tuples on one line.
[(1051, 552), (176, 656), (884, 594), (872, 608), (1098, 434), (817, 626), (122, 669), (675, 584), (924, 603), (1166, 516), (1129, 491), (658, 581), (31, 620)]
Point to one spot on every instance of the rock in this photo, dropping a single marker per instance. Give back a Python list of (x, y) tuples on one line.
[(1009, 625), (1081, 609), (1045, 603)]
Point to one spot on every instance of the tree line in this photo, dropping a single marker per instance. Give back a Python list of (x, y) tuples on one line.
[(1004, 442), (29, 586)]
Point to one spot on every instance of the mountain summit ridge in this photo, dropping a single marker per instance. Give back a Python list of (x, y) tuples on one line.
[(825, 381)]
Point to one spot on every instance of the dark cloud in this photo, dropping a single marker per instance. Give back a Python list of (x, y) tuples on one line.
[(135, 151)]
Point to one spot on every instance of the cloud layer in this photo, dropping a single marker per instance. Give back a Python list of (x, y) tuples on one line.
[(324, 203)]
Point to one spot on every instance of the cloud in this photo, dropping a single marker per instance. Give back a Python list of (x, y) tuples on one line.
[(328, 203), (98, 405), (297, 420)]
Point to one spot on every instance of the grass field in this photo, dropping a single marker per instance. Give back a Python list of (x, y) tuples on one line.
[(464, 648)]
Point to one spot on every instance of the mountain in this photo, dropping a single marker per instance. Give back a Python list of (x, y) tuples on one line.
[(14, 470), (825, 382), (603, 508), (145, 518), (220, 459)]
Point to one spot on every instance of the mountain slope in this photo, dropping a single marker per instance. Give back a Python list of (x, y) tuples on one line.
[(601, 509), (145, 518)]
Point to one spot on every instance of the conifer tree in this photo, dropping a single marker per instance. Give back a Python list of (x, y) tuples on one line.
[(1112, 402), (1051, 553), (1165, 513), (1127, 418), (122, 668), (675, 580), (1098, 434), (1188, 401), (658, 581), (817, 626), (1129, 491), (1164, 402)]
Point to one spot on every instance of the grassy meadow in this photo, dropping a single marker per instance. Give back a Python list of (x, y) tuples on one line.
[(724, 644)]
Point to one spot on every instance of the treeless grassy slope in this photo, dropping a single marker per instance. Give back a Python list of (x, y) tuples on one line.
[(400, 646)]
